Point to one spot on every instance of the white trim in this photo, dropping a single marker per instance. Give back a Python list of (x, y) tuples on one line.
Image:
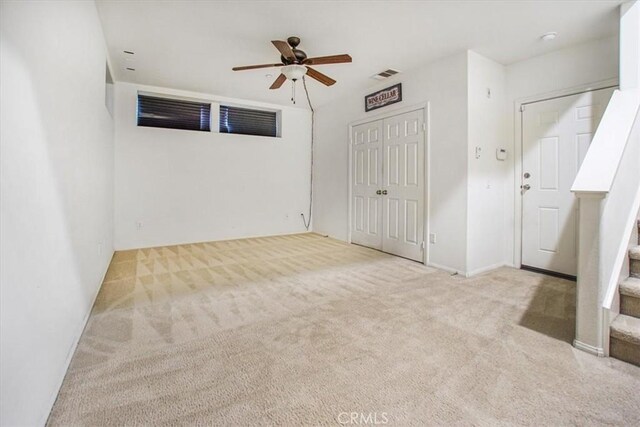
[(574, 90), (484, 269), (596, 351), (517, 175), (74, 346), (350, 179), (427, 185), (426, 120), (255, 236), (389, 113), (590, 194), (444, 268), (604, 157), (174, 97)]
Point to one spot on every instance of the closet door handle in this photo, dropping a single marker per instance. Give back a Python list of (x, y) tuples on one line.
[(379, 192), (384, 192)]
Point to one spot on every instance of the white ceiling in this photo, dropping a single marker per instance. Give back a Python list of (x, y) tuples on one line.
[(193, 45)]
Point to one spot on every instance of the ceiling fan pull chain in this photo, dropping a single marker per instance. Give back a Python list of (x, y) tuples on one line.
[(293, 91)]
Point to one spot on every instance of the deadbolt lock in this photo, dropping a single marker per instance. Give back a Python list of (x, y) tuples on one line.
[(527, 175)]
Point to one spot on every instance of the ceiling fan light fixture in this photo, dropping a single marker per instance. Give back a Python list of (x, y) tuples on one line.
[(294, 71)]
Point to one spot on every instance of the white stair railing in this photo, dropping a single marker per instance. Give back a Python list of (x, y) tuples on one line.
[(607, 186)]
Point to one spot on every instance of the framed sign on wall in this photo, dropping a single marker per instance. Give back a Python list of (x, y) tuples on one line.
[(383, 97)]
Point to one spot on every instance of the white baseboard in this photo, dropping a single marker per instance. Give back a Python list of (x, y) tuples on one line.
[(465, 273), (76, 341), (443, 267), (119, 248), (596, 351), (484, 269)]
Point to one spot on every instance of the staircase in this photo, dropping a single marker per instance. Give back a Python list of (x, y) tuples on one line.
[(624, 341)]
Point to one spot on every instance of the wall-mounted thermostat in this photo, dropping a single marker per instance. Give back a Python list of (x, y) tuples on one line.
[(501, 154)]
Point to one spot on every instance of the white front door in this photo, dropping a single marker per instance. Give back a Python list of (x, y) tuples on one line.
[(366, 186), (403, 189), (555, 138)]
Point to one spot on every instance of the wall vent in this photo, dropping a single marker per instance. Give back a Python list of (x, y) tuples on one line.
[(385, 74)]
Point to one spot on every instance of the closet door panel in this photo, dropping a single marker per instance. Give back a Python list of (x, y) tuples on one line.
[(366, 172), (403, 191)]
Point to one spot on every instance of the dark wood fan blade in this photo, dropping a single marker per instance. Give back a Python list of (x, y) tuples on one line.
[(284, 49), (322, 78), (278, 82), (253, 67), (333, 59)]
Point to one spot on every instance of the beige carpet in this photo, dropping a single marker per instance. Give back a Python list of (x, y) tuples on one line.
[(305, 330)]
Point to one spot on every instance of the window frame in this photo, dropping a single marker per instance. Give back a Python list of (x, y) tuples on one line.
[(176, 98), (214, 113), (256, 108)]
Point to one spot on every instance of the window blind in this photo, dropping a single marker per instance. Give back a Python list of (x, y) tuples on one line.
[(173, 113), (247, 121)]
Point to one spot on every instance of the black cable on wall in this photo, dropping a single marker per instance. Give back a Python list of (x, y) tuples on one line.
[(307, 224)]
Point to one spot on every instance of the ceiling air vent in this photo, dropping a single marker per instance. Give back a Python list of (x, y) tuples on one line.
[(385, 74)]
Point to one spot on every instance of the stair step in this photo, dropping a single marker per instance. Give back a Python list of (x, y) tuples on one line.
[(634, 261), (631, 287), (625, 339), (630, 297)]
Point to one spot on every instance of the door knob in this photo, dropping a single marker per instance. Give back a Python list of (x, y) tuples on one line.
[(384, 192), (379, 192), (525, 187)]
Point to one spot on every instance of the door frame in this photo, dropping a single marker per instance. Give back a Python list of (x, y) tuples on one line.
[(425, 107), (518, 149)]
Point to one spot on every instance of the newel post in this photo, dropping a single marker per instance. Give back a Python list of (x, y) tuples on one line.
[(589, 293)]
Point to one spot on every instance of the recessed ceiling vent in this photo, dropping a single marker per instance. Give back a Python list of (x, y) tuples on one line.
[(385, 74)]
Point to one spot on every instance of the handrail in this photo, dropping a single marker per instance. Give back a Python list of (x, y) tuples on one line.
[(598, 170), (607, 186)]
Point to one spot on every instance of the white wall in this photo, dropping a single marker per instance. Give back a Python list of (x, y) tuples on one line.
[(488, 130), (471, 200), (630, 45), (188, 186), (563, 69), (57, 195), (444, 85)]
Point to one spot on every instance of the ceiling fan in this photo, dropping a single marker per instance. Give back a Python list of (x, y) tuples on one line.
[(295, 64)]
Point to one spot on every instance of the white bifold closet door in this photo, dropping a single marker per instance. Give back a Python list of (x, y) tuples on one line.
[(388, 185), (366, 208)]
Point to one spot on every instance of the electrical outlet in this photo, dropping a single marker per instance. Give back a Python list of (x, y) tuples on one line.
[(432, 238)]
